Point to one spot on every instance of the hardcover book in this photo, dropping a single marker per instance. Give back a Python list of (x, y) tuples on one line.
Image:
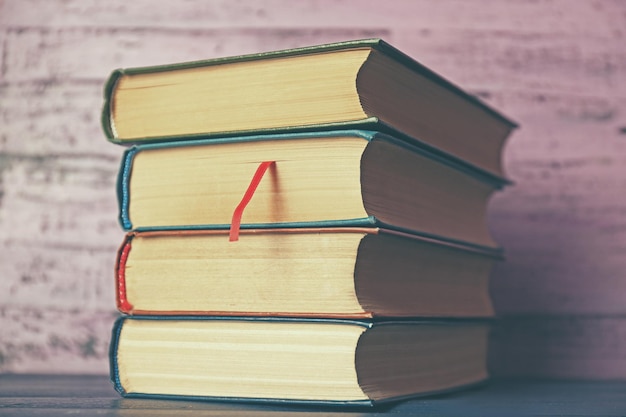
[(346, 178), (326, 272), (291, 360), (362, 84)]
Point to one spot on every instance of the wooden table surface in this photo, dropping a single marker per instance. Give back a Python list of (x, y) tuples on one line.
[(51, 395)]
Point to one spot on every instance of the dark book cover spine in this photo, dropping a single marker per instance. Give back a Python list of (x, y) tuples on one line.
[(106, 119), (123, 188)]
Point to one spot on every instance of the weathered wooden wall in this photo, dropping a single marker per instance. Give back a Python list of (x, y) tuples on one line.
[(557, 67)]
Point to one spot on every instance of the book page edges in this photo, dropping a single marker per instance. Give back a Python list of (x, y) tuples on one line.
[(370, 123), (114, 373)]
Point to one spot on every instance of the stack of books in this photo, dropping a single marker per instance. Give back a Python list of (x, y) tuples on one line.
[(306, 225)]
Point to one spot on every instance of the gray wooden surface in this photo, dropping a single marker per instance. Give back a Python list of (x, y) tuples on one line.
[(558, 67), (51, 396)]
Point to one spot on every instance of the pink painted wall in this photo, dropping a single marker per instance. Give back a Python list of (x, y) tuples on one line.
[(557, 67)]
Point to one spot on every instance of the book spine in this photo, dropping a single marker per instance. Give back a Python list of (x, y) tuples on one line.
[(123, 188), (106, 116), (123, 305), (365, 222), (113, 365)]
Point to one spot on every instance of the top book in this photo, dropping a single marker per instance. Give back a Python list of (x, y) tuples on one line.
[(364, 84)]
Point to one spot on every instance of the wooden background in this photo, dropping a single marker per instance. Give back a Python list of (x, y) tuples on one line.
[(557, 67)]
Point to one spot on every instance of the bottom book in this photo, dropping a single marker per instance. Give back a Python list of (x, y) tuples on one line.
[(316, 361)]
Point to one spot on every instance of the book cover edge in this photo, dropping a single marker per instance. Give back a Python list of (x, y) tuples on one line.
[(412, 63), (123, 305), (113, 365), (352, 404), (360, 322), (371, 221), (371, 124), (369, 226), (123, 188), (387, 132)]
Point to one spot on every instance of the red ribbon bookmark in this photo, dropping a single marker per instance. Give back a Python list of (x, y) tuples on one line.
[(254, 183)]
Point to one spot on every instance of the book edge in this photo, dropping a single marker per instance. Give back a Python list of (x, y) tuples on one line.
[(415, 145), (123, 188), (495, 251), (371, 124), (352, 404), (358, 222), (106, 121), (253, 400), (387, 132), (113, 364), (123, 305), (412, 63), (364, 322), (304, 50), (368, 123)]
